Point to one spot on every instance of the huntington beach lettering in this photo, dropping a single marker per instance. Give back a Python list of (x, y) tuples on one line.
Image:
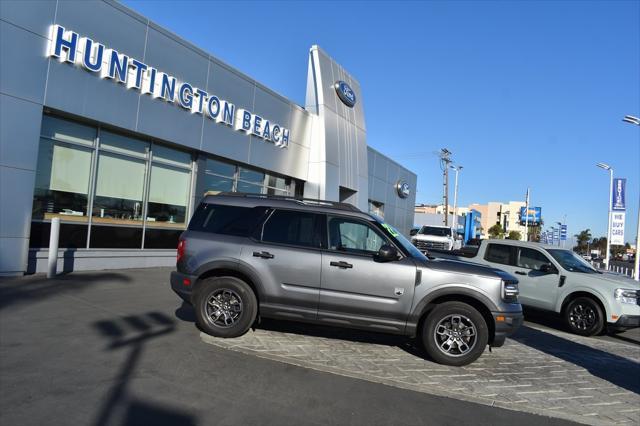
[(68, 46)]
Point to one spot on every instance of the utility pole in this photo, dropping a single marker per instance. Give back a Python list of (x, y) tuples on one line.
[(445, 160), (455, 196), (526, 217)]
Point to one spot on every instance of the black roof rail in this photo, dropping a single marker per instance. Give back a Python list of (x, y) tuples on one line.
[(299, 200)]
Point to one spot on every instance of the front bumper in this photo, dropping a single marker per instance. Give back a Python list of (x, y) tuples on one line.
[(180, 288), (627, 321), (506, 323)]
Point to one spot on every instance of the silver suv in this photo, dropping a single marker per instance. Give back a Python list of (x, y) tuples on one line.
[(249, 256)]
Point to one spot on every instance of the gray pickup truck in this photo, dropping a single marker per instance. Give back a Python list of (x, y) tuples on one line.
[(249, 256), (556, 279)]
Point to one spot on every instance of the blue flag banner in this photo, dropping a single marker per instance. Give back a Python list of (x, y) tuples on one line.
[(618, 198), (563, 232)]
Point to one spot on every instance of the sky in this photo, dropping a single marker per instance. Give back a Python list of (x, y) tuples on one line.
[(523, 93)]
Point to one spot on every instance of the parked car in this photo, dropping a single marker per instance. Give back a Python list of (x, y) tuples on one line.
[(435, 237), (245, 257), (559, 280)]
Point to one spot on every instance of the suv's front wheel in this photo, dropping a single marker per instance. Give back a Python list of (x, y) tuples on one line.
[(455, 333), (225, 306)]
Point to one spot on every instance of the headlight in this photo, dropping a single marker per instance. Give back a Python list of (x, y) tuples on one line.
[(624, 295), (510, 291)]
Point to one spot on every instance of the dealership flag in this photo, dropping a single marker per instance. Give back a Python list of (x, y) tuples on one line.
[(617, 228)]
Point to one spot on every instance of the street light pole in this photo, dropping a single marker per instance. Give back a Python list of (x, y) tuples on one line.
[(636, 274), (608, 167)]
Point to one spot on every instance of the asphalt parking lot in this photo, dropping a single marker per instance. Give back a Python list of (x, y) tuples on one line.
[(118, 347)]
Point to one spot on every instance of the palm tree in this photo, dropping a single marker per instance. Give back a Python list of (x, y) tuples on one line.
[(583, 239)]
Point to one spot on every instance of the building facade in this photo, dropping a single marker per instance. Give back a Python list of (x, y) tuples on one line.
[(505, 214), (118, 127)]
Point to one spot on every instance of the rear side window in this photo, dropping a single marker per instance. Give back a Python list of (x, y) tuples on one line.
[(227, 220), (294, 228), (500, 253)]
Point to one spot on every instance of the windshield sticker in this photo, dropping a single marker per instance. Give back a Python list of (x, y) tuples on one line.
[(392, 231)]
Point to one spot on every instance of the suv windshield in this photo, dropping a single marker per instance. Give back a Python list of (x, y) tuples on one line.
[(571, 261), (401, 239), (434, 230)]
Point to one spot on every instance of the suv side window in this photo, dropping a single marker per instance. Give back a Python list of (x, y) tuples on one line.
[(500, 253), (531, 259), (228, 220), (353, 236), (294, 228)]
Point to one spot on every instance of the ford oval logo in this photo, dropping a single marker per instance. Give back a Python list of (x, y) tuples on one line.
[(345, 93), (403, 189)]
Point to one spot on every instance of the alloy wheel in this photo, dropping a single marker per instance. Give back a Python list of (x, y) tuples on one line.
[(224, 308), (582, 317), (455, 335)]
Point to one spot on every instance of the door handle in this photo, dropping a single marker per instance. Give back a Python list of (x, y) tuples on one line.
[(263, 254), (341, 264), (521, 273)]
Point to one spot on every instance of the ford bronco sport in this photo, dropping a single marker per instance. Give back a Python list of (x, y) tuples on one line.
[(249, 256)]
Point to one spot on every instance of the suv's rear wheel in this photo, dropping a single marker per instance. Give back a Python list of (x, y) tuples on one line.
[(455, 333), (584, 316), (225, 306)]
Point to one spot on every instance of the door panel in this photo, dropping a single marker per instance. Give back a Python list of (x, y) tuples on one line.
[(291, 279), (537, 288), (288, 261), (370, 294), (358, 291)]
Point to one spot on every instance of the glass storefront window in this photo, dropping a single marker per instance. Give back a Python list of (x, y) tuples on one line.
[(276, 182), (252, 176), (123, 144), (67, 131), (215, 183), (220, 168), (119, 190), (249, 188), (172, 156), (127, 178), (62, 182), (376, 208), (168, 196)]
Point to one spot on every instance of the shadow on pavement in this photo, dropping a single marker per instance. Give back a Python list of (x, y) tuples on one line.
[(615, 369), (34, 288), (133, 332)]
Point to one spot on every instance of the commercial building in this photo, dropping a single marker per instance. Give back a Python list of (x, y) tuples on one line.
[(505, 214), (117, 127)]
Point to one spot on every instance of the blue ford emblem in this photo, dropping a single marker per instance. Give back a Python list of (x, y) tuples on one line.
[(345, 93), (403, 189)]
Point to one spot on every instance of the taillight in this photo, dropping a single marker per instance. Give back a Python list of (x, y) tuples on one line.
[(181, 246)]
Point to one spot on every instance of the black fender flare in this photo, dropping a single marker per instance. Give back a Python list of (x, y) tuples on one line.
[(240, 268), (422, 306)]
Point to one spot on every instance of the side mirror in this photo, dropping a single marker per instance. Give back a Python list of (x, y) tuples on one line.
[(387, 253), (548, 268), (413, 232)]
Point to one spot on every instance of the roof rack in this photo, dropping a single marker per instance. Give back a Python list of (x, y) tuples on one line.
[(299, 200)]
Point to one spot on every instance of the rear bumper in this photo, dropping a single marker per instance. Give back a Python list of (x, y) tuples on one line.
[(178, 285), (506, 323)]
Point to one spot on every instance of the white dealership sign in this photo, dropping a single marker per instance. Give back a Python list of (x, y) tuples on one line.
[(68, 46), (617, 228)]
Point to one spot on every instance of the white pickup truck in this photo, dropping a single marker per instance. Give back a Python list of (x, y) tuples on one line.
[(432, 237), (559, 280)]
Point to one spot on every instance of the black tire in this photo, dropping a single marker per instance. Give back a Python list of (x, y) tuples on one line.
[(584, 316), (225, 306), (458, 355)]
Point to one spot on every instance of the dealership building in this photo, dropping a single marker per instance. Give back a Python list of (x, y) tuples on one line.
[(118, 127)]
